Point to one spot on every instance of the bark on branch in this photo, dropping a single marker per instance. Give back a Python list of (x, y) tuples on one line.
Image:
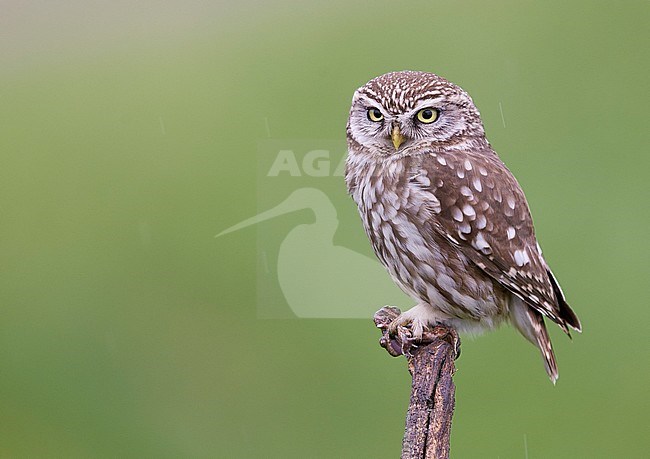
[(431, 364)]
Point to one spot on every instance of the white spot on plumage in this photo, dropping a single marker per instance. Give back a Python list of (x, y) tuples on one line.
[(511, 233), (521, 257), (482, 171), (442, 160), (465, 191), (460, 173), (456, 214), (468, 165), (477, 184), (481, 244), (481, 221), (511, 202), (469, 210), (465, 228)]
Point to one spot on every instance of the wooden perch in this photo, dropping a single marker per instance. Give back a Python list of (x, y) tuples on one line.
[(431, 364)]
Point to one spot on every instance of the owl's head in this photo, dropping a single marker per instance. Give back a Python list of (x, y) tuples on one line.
[(404, 112)]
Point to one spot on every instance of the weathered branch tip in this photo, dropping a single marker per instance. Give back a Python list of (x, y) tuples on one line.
[(431, 364)]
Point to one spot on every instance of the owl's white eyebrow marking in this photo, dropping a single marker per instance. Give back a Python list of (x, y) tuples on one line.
[(369, 102), (424, 101)]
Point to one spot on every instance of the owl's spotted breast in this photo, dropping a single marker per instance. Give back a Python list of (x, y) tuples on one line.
[(400, 214)]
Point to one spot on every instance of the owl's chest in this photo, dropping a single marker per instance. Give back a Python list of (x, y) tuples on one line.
[(388, 198), (399, 215)]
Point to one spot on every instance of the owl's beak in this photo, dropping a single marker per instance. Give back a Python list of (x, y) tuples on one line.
[(397, 137)]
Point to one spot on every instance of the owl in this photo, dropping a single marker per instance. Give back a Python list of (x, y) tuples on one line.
[(445, 216)]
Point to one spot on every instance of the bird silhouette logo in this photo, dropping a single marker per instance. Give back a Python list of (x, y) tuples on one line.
[(318, 278)]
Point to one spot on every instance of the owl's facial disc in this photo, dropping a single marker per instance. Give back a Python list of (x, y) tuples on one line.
[(387, 130), (405, 113)]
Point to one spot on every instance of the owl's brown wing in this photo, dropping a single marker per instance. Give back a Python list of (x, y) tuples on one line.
[(483, 212)]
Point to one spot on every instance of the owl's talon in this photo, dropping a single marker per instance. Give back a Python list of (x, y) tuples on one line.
[(406, 339)]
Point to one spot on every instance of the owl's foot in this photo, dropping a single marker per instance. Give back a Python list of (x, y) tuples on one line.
[(383, 320), (402, 332)]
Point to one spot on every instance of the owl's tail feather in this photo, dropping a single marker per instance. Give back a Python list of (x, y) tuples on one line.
[(566, 313), (530, 323), (544, 345)]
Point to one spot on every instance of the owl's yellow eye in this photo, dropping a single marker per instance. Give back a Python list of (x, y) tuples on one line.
[(375, 115), (427, 115)]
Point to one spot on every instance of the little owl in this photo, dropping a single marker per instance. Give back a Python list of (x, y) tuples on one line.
[(444, 215)]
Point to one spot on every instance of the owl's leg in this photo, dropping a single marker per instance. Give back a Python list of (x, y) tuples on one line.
[(421, 324)]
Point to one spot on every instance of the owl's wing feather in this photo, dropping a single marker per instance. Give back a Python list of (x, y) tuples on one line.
[(484, 213)]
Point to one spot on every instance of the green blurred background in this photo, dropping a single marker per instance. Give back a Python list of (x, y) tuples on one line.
[(128, 139)]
